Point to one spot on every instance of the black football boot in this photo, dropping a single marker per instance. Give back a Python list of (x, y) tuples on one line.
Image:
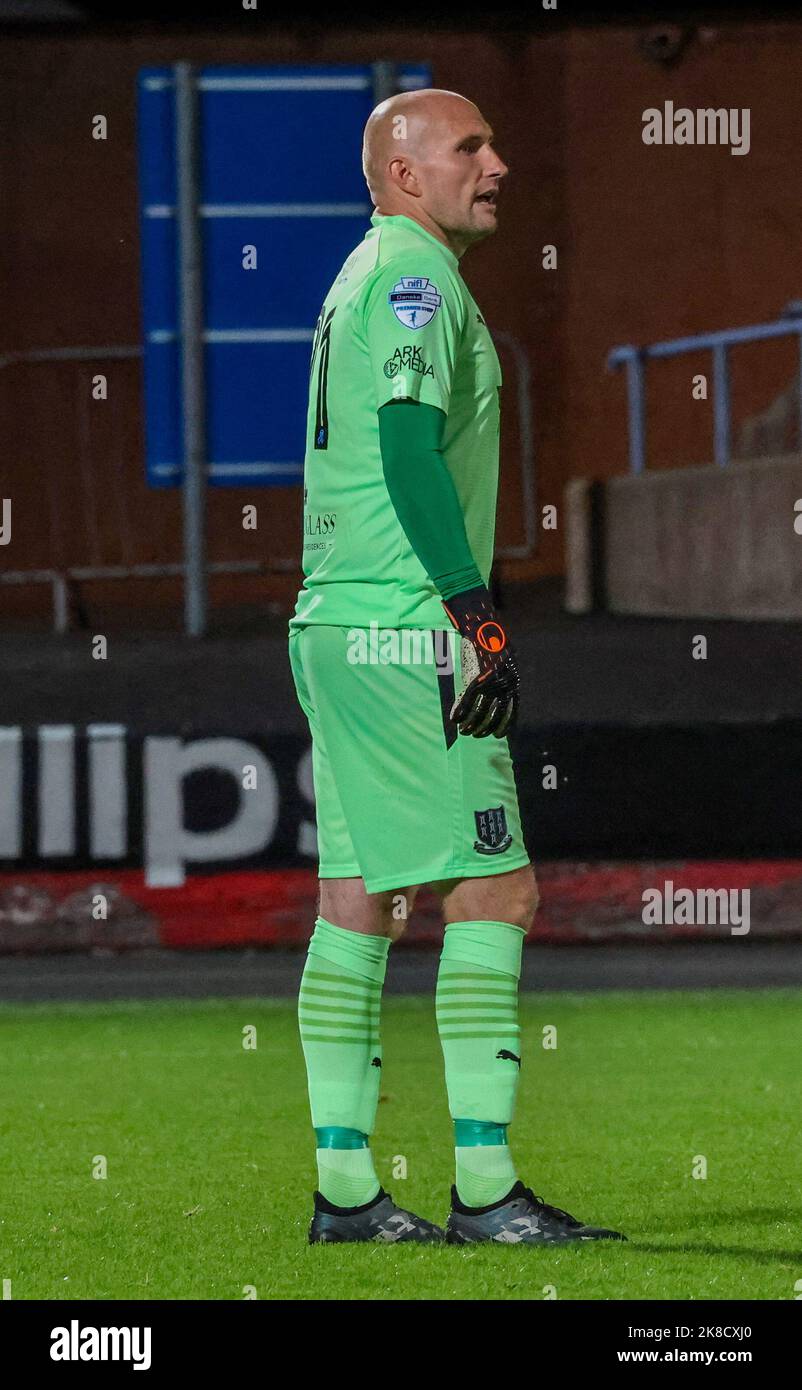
[(520, 1218), (380, 1220)]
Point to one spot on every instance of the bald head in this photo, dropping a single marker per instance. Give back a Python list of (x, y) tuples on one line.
[(428, 155), (403, 125)]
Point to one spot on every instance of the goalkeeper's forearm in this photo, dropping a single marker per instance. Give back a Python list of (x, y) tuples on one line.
[(422, 491)]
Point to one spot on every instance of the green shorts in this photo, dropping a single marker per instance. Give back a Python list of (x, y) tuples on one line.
[(401, 797)]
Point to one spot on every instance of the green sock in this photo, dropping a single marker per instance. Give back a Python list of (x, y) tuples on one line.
[(485, 1170), (346, 1175), (477, 1019), (338, 1011)]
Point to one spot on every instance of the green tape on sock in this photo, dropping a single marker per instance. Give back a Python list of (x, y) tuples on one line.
[(336, 1137), (470, 1134)]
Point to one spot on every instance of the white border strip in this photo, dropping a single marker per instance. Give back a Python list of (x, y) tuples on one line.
[(282, 84), (155, 210), (251, 469), (267, 84), (238, 335)]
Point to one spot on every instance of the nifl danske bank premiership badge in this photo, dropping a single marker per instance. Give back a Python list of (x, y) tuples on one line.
[(414, 300)]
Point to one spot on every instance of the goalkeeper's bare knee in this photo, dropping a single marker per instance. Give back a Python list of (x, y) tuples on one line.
[(511, 898), (345, 903)]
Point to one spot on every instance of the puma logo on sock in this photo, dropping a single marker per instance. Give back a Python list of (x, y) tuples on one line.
[(509, 1056), (377, 1061)]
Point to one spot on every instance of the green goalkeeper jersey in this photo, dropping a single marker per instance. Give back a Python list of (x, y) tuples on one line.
[(399, 321)]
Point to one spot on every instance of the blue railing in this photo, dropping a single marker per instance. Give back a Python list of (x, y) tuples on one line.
[(635, 359)]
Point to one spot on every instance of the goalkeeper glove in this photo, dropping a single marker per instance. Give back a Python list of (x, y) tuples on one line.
[(489, 700)]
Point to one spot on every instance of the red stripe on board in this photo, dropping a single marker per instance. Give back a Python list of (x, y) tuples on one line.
[(579, 902)]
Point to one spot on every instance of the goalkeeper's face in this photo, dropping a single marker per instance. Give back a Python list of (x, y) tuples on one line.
[(460, 174)]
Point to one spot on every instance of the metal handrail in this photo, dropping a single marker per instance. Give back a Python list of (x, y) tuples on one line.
[(62, 582), (719, 343)]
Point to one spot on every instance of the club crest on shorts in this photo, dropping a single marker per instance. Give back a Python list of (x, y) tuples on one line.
[(491, 830), (414, 300)]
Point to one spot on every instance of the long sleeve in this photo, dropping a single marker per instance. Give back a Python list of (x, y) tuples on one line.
[(423, 494)]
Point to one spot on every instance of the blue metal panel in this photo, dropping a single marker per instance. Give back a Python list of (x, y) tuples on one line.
[(298, 257), (280, 171)]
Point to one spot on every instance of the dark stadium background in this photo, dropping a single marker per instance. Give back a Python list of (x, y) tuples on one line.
[(155, 1044), (668, 768)]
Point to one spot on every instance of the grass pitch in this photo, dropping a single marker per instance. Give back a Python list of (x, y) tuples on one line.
[(208, 1152)]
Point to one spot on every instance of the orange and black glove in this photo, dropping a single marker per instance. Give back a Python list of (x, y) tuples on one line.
[(489, 700)]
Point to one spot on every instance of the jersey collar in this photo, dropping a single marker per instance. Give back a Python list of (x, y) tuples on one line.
[(409, 224)]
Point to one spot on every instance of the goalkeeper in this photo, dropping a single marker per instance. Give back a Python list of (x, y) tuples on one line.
[(412, 772)]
